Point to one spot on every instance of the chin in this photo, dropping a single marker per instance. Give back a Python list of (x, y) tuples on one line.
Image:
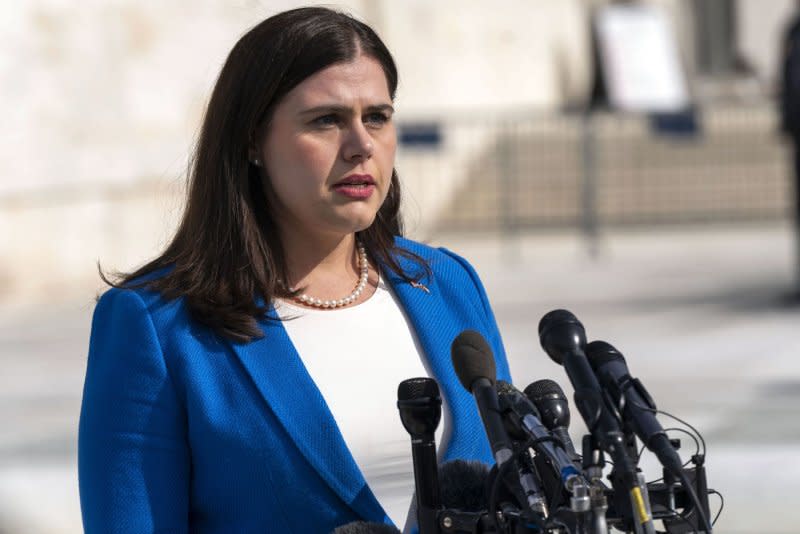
[(364, 225), (357, 222)]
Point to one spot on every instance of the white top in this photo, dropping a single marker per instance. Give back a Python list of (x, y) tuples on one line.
[(357, 356)]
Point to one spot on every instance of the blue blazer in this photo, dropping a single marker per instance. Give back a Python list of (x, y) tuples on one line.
[(182, 430)]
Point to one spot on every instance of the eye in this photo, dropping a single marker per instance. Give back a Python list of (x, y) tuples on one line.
[(376, 119), (326, 121)]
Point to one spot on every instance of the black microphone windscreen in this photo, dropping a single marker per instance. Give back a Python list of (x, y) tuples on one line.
[(365, 527), (463, 485), (472, 358), (560, 331)]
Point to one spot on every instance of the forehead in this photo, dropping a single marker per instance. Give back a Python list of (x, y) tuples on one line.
[(361, 80)]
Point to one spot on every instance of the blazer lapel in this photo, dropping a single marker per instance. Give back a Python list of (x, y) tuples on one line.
[(430, 316), (282, 379), (424, 308)]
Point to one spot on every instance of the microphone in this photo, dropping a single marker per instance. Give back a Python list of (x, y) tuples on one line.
[(551, 402), (637, 409), (365, 527), (525, 415), (564, 339), (420, 407), (474, 365), (633, 402)]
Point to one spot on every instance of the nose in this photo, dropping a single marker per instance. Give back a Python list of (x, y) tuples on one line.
[(358, 144)]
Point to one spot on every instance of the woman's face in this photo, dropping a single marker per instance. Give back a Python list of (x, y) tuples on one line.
[(329, 150)]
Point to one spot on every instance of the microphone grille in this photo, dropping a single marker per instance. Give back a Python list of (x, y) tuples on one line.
[(544, 388), (417, 388), (472, 358)]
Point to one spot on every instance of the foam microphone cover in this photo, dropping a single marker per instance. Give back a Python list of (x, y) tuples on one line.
[(463, 485), (366, 527), (472, 358)]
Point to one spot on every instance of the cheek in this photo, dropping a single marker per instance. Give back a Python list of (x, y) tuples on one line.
[(317, 156), (389, 149), (301, 164)]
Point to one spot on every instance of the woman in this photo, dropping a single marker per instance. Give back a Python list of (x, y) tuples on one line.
[(224, 388)]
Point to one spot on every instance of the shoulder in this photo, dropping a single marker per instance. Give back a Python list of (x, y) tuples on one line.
[(119, 305), (442, 261), (426, 252), (435, 256), (136, 292), (117, 299), (457, 283)]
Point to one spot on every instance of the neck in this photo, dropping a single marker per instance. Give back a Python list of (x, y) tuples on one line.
[(325, 266)]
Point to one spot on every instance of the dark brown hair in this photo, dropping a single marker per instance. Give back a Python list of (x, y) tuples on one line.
[(226, 259)]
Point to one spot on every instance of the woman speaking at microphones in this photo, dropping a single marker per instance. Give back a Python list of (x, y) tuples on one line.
[(237, 382)]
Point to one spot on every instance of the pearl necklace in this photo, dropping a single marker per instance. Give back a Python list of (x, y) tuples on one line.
[(363, 265)]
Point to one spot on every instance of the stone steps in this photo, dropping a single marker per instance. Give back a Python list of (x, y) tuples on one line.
[(532, 173)]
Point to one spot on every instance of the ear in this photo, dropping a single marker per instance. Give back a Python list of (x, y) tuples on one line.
[(254, 153), (256, 140)]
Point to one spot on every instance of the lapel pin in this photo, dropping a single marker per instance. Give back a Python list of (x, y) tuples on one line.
[(420, 286)]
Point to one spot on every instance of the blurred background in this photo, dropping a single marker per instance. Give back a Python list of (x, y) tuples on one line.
[(623, 160)]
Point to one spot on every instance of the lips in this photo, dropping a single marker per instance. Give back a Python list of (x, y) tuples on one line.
[(355, 186), (356, 179)]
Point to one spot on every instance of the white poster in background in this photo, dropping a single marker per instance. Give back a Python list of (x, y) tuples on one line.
[(640, 59)]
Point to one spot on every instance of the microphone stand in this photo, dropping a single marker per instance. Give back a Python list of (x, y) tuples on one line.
[(420, 407), (509, 513), (670, 495), (593, 462), (666, 498)]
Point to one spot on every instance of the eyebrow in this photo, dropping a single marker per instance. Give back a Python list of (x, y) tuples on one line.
[(344, 110)]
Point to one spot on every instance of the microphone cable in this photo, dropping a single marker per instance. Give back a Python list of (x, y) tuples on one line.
[(503, 471), (685, 482), (721, 504), (687, 462), (695, 434)]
